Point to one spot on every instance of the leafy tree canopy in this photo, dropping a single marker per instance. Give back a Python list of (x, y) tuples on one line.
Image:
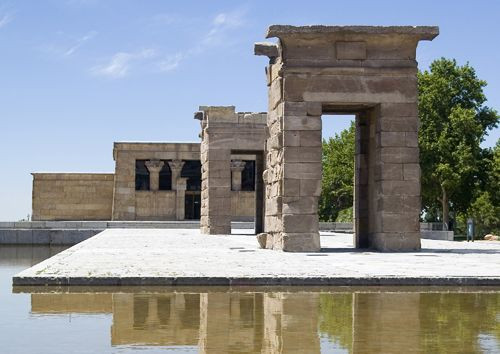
[(338, 174), (454, 122)]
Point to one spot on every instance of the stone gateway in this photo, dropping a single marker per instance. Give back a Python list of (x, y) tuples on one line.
[(362, 70)]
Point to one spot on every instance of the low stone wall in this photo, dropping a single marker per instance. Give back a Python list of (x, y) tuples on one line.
[(45, 236), (72, 232), (437, 235), (72, 196), (336, 226)]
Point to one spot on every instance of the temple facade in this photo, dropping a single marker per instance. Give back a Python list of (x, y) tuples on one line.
[(152, 181)]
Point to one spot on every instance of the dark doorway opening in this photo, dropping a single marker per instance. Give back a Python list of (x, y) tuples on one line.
[(255, 168), (192, 206)]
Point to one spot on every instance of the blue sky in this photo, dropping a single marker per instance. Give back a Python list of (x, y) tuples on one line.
[(76, 75)]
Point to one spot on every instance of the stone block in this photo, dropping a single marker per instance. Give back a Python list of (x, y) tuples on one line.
[(398, 204), (302, 170), (302, 154), (8, 236), (310, 138), (391, 139), (399, 154), (399, 188), (314, 109), (301, 123), (411, 172), (388, 172), (294, 108), (24, 236), (411, 139), (300, 223), (350, 50), (291, 187), (399, 110), (310, 187), (300, 242), (291, 138), (400, 222), (369, 88), (41, 237), (396, 242), (303, 205), (397, 124)]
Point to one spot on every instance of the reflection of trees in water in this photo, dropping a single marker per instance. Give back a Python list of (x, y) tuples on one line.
[(453, 322), (421, 322), (335, 318)]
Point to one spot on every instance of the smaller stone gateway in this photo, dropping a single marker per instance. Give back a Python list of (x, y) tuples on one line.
[(224, 133)]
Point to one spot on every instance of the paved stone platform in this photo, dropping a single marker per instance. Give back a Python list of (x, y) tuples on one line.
[(184, 257)]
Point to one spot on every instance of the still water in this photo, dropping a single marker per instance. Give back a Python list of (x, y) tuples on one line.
[(218, 320)]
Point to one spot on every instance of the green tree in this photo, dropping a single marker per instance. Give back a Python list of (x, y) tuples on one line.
[(338, 175), (454, 121), (485, 208)]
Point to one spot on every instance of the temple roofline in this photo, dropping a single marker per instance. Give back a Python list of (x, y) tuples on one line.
[(422, 32)]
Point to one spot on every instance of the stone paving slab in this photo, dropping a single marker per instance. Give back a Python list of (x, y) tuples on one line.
[(185, 257)]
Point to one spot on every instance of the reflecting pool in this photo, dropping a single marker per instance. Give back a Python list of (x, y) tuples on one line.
[(241, 320)]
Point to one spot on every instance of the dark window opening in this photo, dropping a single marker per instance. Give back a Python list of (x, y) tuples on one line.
[(165, 181), (141, 176), (192, 170), (248, 176)]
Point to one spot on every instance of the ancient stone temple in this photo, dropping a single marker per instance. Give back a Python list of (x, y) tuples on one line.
[(323, 70), (267, 166), (152, 181)]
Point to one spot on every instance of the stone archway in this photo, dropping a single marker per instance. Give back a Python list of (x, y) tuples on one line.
[(369, 71)]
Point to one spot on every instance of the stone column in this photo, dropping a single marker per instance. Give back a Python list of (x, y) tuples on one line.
[(215, 191), (154, 167), (396, 177), (259, 194), (175, 169), (237, 167), (180, 198), (291, 323)]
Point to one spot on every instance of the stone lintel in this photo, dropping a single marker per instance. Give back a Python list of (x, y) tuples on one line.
[(420, 32)]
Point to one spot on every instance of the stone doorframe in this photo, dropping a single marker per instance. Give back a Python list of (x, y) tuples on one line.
[(369, 71), (226, 132)]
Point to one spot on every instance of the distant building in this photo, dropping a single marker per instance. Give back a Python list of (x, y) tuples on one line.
[(152, 181)]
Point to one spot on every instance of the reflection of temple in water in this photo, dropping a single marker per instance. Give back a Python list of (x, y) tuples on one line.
[(283, 322), (215, 322)]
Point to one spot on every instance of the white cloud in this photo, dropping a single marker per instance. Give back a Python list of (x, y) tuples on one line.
[(170, 63), (221, 24), (5, 20), (79, 43), (120, 64)]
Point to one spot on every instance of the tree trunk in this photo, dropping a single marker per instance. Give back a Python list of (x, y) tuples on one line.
[(446, 208)]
